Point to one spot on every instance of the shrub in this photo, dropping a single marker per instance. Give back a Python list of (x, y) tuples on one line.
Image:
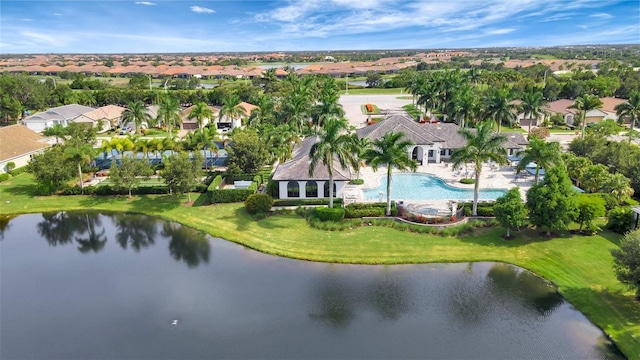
[(10, 166), (329, 214), (258, 203), (467, 181), (356, 181), (17, 171), (620, 219), (358, 210), (4, 177), (540, 132), (485, 211)]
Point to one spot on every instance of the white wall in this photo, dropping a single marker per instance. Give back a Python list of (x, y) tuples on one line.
[(282, 188)]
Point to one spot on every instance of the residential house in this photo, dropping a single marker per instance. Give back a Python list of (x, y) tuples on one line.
[(18, 144), (609, 107), (572, 116), (106, 117), (192, 124), (294, 181), (433, 142), (225, 123), (62, 115)]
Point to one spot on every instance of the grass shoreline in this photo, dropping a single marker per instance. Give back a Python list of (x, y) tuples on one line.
[(579, 266)]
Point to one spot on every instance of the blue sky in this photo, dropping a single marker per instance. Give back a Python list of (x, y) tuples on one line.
[(215, 26)]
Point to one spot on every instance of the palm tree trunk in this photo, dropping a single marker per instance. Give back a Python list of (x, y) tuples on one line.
[(476, 190), (529, 123), (330, 189), (584, 124), (535, 181), (508, 232), (633, 120), (388, 211), (80, 176)]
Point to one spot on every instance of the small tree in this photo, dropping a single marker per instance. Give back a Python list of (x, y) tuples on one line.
[(10, 166), (50, 167), (590, 207), (129, 174), (247, 152), (626, 261), (510, 210), (181, 173), (552, 202)]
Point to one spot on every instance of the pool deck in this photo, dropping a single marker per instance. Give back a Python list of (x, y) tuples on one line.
[(490, 178)]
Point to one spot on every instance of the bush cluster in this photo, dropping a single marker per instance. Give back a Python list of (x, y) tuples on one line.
[(258, 203), (329, 214), (303, 202), (621, 219), (4, 177), (358, 210), (356, 181), (467, 181)]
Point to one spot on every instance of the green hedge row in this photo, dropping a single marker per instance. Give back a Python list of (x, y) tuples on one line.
[(109, 190), (358, 210), (303, 202), (329, 214)]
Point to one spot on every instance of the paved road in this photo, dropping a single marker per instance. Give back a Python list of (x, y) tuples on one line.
[(352, 106)]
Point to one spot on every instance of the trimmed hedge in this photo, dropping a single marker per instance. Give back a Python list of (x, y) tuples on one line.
[(329, 214), (467, 181), (303, 202), (19, 170), (258, 203), (356, 181), (231, 195), (359, 210), (4, 177)]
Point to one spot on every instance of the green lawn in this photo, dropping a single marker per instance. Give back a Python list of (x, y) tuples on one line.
[(376, 110), (580, 266)]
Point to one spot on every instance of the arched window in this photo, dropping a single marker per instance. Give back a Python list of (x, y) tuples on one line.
[(414, 153), (293, 189), (326, 189), (311, 189)]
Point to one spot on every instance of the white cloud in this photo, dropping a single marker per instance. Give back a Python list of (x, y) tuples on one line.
[(26, 19), (147, 3), (583, 27), (57, 14), (499, 31), (603, 16), (202, 10)]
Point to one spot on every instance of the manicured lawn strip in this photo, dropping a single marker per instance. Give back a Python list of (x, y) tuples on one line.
[(580, 266), (412, 110)]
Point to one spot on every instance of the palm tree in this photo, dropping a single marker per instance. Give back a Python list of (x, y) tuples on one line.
[(543, 154), (200, 111), (328, 106), (498, 106), (619, 186), (81, 154), (584, 104), (482, 145), (630, 109), (143, 146), (169, 112), (533, 104), (390, 150), (230, 108), (474, 75), (333, 143), (136, 113), (464, 106), (56, 130), (295, 109)]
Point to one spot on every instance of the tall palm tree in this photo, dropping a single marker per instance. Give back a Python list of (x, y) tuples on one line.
[(200, 112), (544, 154), (329, 106), (498, 106), (56, 130), (630, 109), (482, 145), (169, 113), (584, 104), (143, 146), (474, 75), (390, 150), (533, 103), (333, 143), (295, 109), (136, 113), (81, 154), (464, 106), (230, 108)]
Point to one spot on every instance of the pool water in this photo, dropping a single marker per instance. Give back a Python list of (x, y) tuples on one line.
[(411, 186)]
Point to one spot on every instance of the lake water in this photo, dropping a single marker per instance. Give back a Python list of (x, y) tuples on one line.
[(117, 286)]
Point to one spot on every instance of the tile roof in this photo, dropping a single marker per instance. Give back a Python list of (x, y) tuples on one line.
[(561, 106), (66, 112), (247, 108), (609, 103), (298, 167), (17, 140), (109, 112)]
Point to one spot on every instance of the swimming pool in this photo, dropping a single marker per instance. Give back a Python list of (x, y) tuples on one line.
[(411, 186)]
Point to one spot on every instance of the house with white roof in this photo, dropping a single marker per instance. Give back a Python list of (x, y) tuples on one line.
[(106, 117), (62, 115)]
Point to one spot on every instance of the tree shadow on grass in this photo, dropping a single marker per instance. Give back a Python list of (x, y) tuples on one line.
[(202, 200), (624, 304), (20, 190), (495, 237), (138, 204)]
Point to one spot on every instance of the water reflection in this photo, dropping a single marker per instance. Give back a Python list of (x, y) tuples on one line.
[(187, 244), (5, 224), (132, 231), (337, 301)]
